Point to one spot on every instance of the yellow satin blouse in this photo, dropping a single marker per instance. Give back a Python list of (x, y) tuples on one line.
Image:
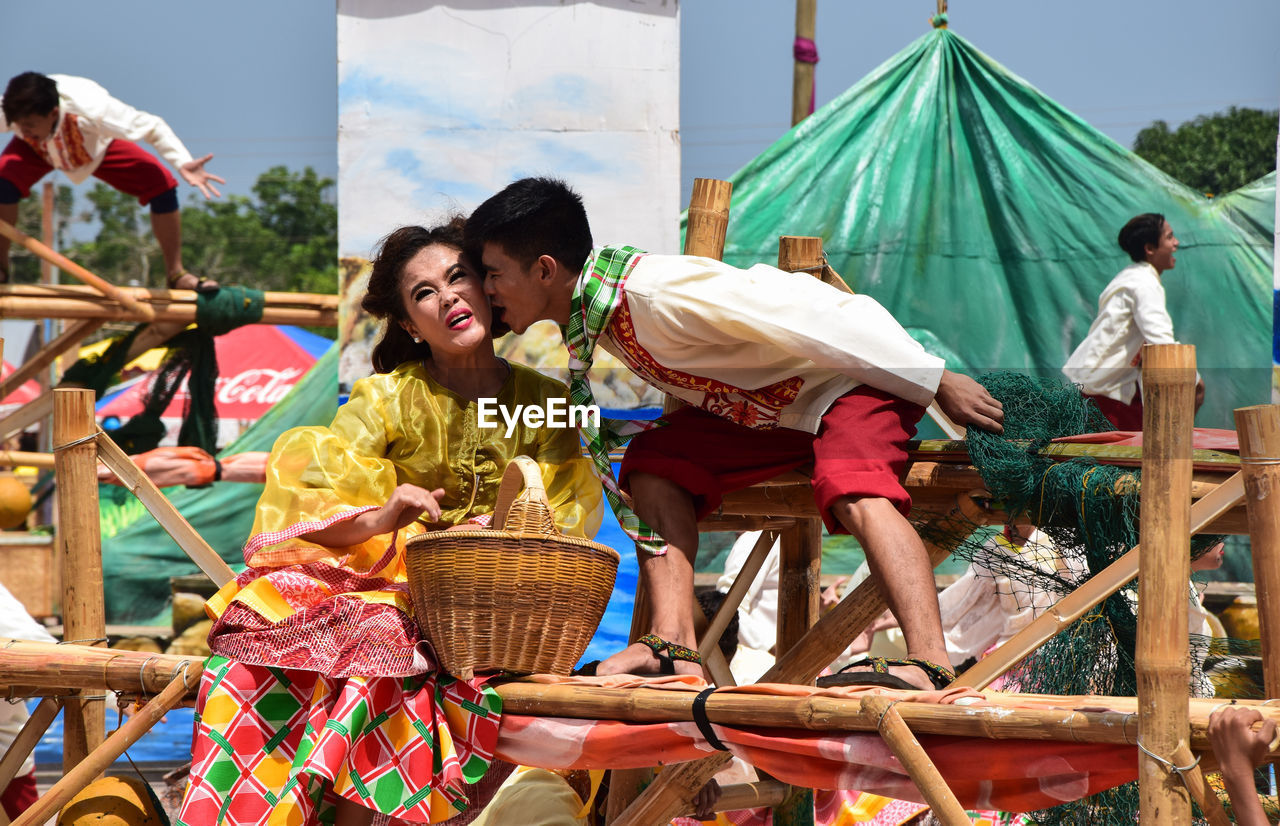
[(403, 427)]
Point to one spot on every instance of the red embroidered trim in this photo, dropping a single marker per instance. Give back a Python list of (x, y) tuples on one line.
[(760, 408), (71, 142)]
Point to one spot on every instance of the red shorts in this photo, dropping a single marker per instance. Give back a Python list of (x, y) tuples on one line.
[(1122, 416), (860, 451), (126, 167)]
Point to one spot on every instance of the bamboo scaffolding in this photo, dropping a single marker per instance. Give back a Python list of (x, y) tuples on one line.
[(80, 541), (1259, 433), (81, 775), (70, 267), (25, 416), (70, 338), (70, 667), (1163, 663), (904, 745), (159, 506), (12, 306), (162, 297), (14, 458), (665, 797)]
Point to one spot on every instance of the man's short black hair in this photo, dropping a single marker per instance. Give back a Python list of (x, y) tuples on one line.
[(533, 217), (1141, 231), (29, 93)]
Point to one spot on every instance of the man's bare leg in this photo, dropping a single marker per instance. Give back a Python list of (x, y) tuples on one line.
[(167, 228), (9, 213), (899, 564), (667, 580)]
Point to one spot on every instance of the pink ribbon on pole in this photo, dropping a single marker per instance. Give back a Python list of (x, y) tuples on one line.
[(806, 51)]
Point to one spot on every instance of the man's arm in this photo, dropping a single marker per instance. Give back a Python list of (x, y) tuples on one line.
[(121, 120), (1240, 749)]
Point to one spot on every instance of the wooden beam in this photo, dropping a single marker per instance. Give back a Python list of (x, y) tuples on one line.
[(803, 74), (70, 338), (1162, 661), (159, 506), (72, 268), (80, 543), (1259, 433), (904, 745)]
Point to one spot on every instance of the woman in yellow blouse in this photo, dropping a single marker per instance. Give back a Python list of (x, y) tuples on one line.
[(321, 697)]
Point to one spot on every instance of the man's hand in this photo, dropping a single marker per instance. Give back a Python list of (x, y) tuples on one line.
[(193, 172), (1239, 750), (968, 403)]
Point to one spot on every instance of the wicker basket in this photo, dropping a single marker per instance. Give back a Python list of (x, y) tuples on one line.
[(519, 597)]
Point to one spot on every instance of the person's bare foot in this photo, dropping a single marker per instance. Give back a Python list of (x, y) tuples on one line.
[(651, 655)]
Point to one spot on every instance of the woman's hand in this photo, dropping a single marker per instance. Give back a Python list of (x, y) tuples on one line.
[(407, 503)]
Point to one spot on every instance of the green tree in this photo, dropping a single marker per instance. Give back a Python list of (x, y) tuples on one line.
[(283, 238), (1213, 153)]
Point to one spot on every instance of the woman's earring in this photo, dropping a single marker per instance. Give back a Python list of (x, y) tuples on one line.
[(417, 340)]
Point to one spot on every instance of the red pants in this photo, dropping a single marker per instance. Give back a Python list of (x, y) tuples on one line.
[(126, 167), (19, 795), (1122, 416), (859, 452)]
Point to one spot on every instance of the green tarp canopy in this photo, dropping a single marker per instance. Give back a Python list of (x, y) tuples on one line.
[(138, 557), (984, 216)]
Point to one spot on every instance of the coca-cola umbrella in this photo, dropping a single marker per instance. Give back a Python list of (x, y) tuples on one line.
[(257, 366)]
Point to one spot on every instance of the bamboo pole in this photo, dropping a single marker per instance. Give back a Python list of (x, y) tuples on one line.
[(67, 265), (1162, 655), (70, 338), (80, 541), (28, 737), (1259, 433), (741, 583), (1201, 792), (802, 82), (708, 222), (1090, 719), (25, 416), (159, 506), (1080, 601), (705, 231), (38, 308), (800, 563), (904, 745), (756, 795), (162, 297), (14, 458), (121, 739)]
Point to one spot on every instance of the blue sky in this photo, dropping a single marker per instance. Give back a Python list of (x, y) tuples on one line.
[(255, 82)]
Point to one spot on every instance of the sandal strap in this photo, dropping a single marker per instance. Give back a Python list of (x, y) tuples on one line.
[(940, 675), (674, 651)]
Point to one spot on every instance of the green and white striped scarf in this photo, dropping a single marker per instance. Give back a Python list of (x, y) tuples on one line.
[(596, 296)]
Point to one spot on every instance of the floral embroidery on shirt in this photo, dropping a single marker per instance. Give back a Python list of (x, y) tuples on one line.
[(759, 408)]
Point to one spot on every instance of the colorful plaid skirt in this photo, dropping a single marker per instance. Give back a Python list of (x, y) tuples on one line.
[(280, 746)]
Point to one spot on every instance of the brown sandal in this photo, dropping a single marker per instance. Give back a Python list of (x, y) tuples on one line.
[(190, 281)]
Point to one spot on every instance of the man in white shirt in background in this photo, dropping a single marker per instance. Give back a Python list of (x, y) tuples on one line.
[(72, 124), (1131, 313)]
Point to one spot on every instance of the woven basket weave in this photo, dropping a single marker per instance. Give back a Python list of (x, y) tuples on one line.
[(519, 597)]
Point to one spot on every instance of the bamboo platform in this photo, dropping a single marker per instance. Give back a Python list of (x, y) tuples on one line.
[(948, 494)]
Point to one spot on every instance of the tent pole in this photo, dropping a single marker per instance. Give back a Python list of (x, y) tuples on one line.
[(802, 85)]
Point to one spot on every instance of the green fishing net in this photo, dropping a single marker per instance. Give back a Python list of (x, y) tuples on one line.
[(1087, 513)]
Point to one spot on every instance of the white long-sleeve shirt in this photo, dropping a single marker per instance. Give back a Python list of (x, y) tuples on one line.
[(89, 119), (1131, 312), (761, 346)]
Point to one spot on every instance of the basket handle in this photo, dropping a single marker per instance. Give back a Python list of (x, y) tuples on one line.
[(521, 473)]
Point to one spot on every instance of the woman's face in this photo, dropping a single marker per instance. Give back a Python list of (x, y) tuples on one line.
[(444, 301)]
